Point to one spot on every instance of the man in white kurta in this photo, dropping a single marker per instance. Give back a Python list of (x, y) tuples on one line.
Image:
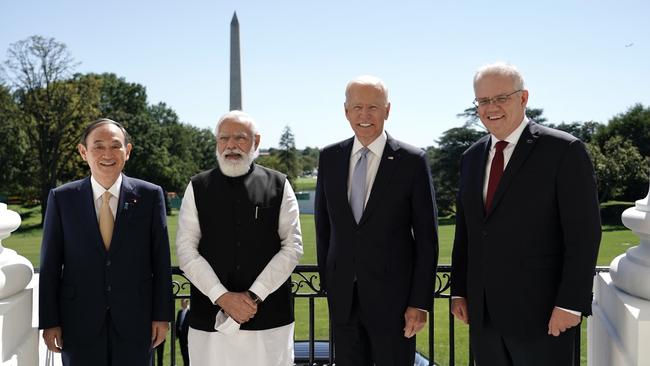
[(224, 343)]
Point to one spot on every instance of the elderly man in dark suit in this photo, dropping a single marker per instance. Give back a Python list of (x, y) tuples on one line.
[(105, 279), (527, 231), (376, 235)]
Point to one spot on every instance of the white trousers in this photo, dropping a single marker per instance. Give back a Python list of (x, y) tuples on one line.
[(269, 347)]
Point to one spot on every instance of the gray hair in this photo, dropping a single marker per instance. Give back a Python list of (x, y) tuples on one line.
[(241, 117), (367, 80), (501, 69)]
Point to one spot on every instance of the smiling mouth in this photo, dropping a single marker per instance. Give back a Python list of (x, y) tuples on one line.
[(107, 164), (233, 156), (364, 125), (494, 118)]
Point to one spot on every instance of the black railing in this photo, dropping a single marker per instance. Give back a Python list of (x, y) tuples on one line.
[(306, 285)]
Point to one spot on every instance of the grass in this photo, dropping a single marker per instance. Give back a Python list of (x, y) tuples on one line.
[(615, 240), (305, 184)]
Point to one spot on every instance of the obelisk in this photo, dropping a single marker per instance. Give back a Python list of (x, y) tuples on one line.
[(235, 65)]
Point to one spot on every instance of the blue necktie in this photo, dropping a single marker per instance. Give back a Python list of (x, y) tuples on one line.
[(358, 185)]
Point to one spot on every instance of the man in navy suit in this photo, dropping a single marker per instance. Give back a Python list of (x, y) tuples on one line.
[(376, 235), (182, 328), (527, 232), (105, 278)]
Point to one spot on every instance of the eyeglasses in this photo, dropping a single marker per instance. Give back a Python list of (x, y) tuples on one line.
[(498, 100)]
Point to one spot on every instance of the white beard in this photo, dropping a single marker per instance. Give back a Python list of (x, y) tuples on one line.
[(238, 167)]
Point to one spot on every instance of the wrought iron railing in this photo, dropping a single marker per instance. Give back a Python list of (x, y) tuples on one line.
[(306, 285)]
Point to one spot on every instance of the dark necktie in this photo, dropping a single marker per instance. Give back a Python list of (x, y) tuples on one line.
[(496, 171)]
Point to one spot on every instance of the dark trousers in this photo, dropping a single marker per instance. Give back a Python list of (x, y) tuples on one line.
[(491, 348), (108, 349), (184, 352), (363, 343)]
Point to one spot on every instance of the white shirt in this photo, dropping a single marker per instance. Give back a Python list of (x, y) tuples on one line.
[(98, 192), (373, 158), (512, 140), (200, 273)]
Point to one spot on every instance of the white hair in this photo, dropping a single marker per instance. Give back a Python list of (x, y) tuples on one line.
[(241, 117), (367, 80), (502, 69)]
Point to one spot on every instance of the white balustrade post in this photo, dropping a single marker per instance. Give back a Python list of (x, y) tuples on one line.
[(619, 331), (18, 339)]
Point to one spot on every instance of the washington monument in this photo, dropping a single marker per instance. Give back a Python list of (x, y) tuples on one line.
[(235, 65)]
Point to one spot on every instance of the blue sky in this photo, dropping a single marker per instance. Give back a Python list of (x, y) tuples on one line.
[(582, 60)]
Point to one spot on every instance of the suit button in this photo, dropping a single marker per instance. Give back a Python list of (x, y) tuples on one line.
[(237, 267), (108, 288), (484, 232), (238, 244), (108, 263)]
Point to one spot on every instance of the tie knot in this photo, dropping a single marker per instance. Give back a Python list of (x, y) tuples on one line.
[(363, 152), (501, 145), (106, 197)]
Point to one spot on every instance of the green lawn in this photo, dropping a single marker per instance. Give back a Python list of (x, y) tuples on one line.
[(616, 240)]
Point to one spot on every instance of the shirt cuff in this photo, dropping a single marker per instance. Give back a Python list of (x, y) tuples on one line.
[(570, 311), (216, 292), (259, 290)]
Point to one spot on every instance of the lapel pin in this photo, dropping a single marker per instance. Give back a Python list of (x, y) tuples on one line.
[(530, 141), (390, 158)]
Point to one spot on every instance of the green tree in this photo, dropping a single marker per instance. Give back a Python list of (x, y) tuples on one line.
[(14, 160), (445, 164), (309, 159), (52, 108), (585, 131), (621, 170), (288, 156), (633, 125)]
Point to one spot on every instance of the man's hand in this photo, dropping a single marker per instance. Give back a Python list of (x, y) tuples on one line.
[(414, 320), (53, 339), (561, 320), (158, 332), (459, 309), (238, 305)]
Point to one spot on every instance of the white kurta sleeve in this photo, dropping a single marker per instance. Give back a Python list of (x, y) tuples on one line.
[(283, 262), (196, 268)]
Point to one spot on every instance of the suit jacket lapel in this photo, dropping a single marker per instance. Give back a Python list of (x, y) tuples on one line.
[(524, 146), (389, 159), (341, 176), (87, 203), (478, 184), (125, 206)]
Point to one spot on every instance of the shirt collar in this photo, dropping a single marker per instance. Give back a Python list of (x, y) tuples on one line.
[(376, 147), (98, 190), (513, 138)]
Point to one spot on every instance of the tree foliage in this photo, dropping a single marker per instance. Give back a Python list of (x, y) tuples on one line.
[(52, 108), (633, 125), (445, 164), (45, 108), (621, 170), (288, 156)]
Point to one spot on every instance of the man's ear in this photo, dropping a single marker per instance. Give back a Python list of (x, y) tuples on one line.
[(82, 151), (128, 150), (257, 141)]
